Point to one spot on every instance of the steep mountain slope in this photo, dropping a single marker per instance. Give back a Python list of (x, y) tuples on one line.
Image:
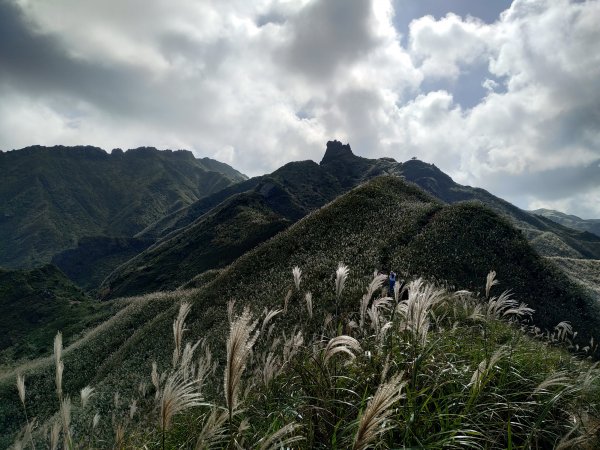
[(51, 197), (570, 220), (213, 241), (385, 223), (37, 303), (311, 184)]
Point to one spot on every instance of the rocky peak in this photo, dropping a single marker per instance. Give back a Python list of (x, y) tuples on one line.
[(336, 151)]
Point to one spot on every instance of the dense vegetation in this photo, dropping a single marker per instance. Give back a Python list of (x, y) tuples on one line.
[(471, 380), (95, 257), (422, 367), (213, 241), (35, 305), (52, 197)]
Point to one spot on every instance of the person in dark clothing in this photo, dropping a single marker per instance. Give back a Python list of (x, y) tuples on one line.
[(392, 279)]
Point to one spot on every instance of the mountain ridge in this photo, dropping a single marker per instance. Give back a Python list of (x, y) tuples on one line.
[(50, 197), (306, 186)]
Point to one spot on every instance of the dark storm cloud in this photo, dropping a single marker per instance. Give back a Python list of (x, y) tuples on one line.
[(37, 64), (329, 34)]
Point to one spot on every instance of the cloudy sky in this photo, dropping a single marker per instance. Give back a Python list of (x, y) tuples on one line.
[(501, 95)]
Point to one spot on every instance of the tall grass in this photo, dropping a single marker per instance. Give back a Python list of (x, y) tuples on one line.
[(436, 370)]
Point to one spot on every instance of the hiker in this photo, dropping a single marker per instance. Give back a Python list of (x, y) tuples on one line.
[(392, 279)]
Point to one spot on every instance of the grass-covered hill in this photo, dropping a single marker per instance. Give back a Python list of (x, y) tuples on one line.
[(548, 237), (383, 224), (570, 220), (585, 272), (38, 303), (52, 197), (213, 241)]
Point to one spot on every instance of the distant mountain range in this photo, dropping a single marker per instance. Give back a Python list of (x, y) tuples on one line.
[(284, 196), (569, 220), (50, 198)]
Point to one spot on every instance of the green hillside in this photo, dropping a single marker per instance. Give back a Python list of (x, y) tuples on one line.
[(585, 272), (38, 303), (385, 223), (312, 185), (95, 257), (549, 238), (213, 241), (52, 197)]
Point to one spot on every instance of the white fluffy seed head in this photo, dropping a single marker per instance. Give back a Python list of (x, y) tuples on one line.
[(341, 274), (21, 388), (297, 273)]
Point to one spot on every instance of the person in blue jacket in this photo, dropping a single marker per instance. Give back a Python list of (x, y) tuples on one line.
[(392, 279)]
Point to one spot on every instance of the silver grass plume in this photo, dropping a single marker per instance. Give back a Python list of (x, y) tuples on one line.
[(276, 441), (341, 274), (270, 368), (309, 304), (239, 345), (374, 285), (504, 305), (213, 432), (177, 395), (21, 388), (185, 364), (268, 317), (297, 273), (230, 308), (178, 329), (415, 311), (490, 281), (205, 364), (372, 421), (554, 379), (563, 330), (54, 434), (58, 363), (286, 300), (485, 368), (86, 393), (292, 345), (342, 344), (65, 416)]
